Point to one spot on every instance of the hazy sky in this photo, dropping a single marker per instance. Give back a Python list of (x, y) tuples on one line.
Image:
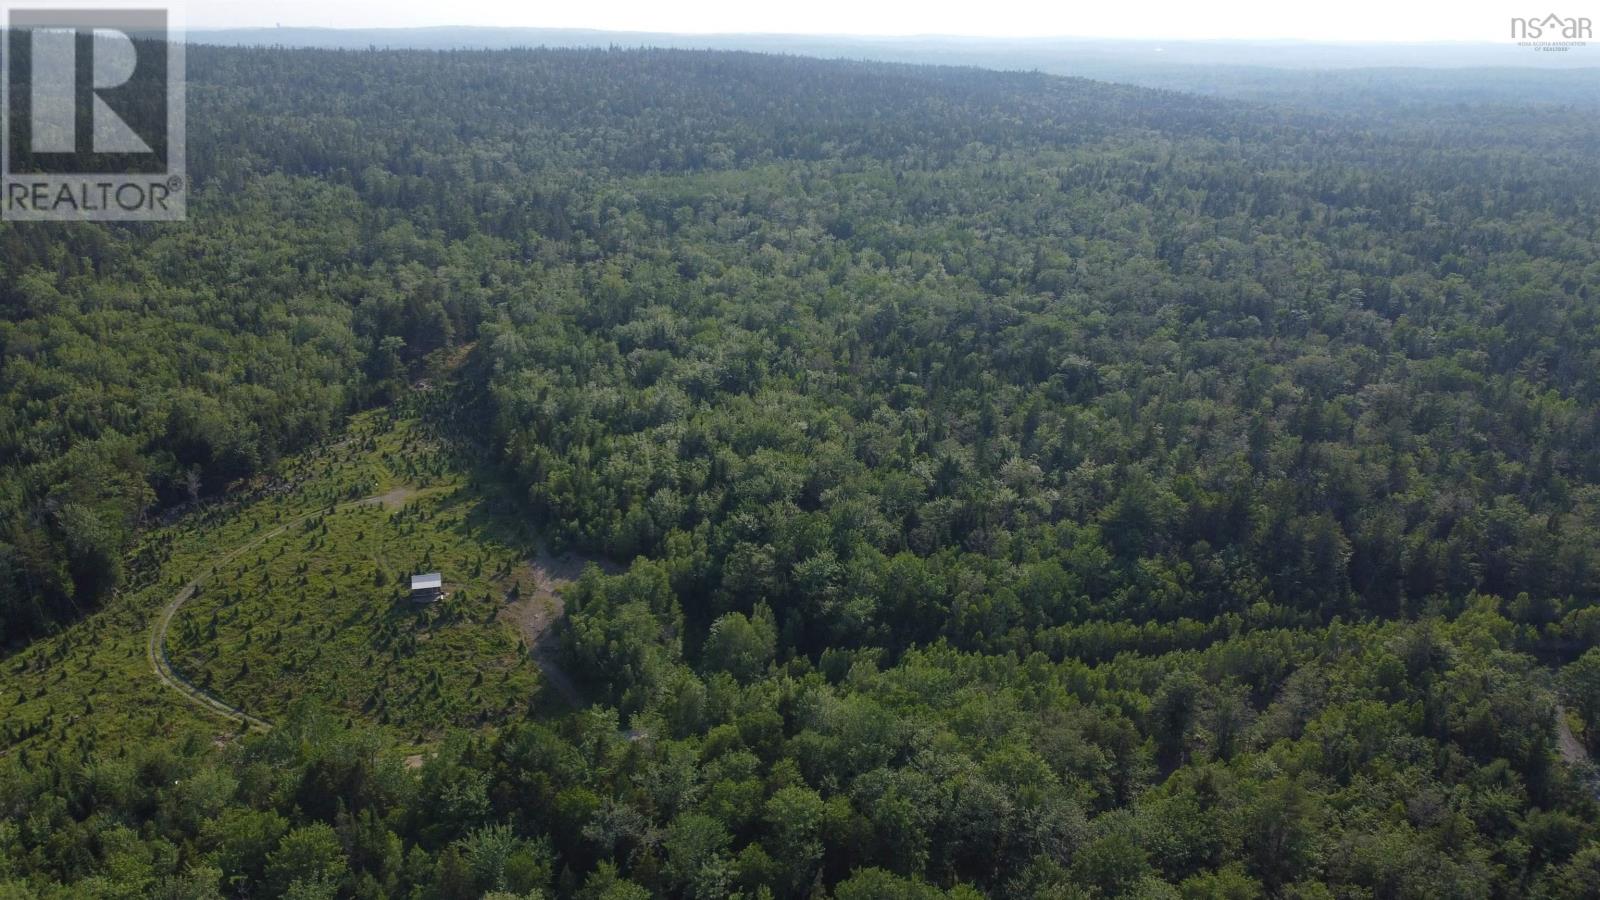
[(1324, 20)]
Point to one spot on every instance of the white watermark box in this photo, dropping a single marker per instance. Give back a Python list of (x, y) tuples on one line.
[(94, 107)]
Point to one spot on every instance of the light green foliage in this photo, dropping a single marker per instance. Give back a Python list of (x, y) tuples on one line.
[(742, 646), (337, 632), (1581, 683), (301, 613), (308, 862)]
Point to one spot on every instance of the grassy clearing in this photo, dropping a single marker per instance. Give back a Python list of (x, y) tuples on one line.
[(314, 611), (322, 609)]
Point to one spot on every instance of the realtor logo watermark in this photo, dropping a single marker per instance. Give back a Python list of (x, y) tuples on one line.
[(94, 110), (1552, 33)]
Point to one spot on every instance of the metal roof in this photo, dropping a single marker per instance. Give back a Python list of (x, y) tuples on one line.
[(424, 582)]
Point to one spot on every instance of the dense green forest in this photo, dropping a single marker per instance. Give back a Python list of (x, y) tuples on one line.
[(1006, 485)]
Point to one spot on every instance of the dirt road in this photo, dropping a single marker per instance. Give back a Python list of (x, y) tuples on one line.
[(157, 649)]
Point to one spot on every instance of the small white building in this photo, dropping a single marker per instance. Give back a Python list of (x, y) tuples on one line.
[(427, 588)]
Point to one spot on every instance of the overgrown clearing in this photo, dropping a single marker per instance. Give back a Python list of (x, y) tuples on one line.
[(322, 609), (317, 610)]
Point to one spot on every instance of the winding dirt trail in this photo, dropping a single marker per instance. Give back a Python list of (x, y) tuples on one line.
[(533, 614), (536, 611), (1571, 750), (157, 648)]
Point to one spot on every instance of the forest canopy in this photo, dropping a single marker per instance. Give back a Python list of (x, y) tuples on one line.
[(1010, 485)]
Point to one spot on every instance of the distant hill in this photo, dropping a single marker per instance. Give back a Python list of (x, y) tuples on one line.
[(1009, 53), (1322, 74)]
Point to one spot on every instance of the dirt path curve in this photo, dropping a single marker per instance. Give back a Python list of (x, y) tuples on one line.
[(536, 611), (1573, 752), (157, 649)]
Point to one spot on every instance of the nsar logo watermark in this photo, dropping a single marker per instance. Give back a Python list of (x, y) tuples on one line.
[(1552, 33), (95, 119)]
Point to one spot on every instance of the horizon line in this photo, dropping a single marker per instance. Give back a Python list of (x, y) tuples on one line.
[(923, 36)]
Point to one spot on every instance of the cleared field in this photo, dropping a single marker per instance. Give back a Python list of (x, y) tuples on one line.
[(299, 593)]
